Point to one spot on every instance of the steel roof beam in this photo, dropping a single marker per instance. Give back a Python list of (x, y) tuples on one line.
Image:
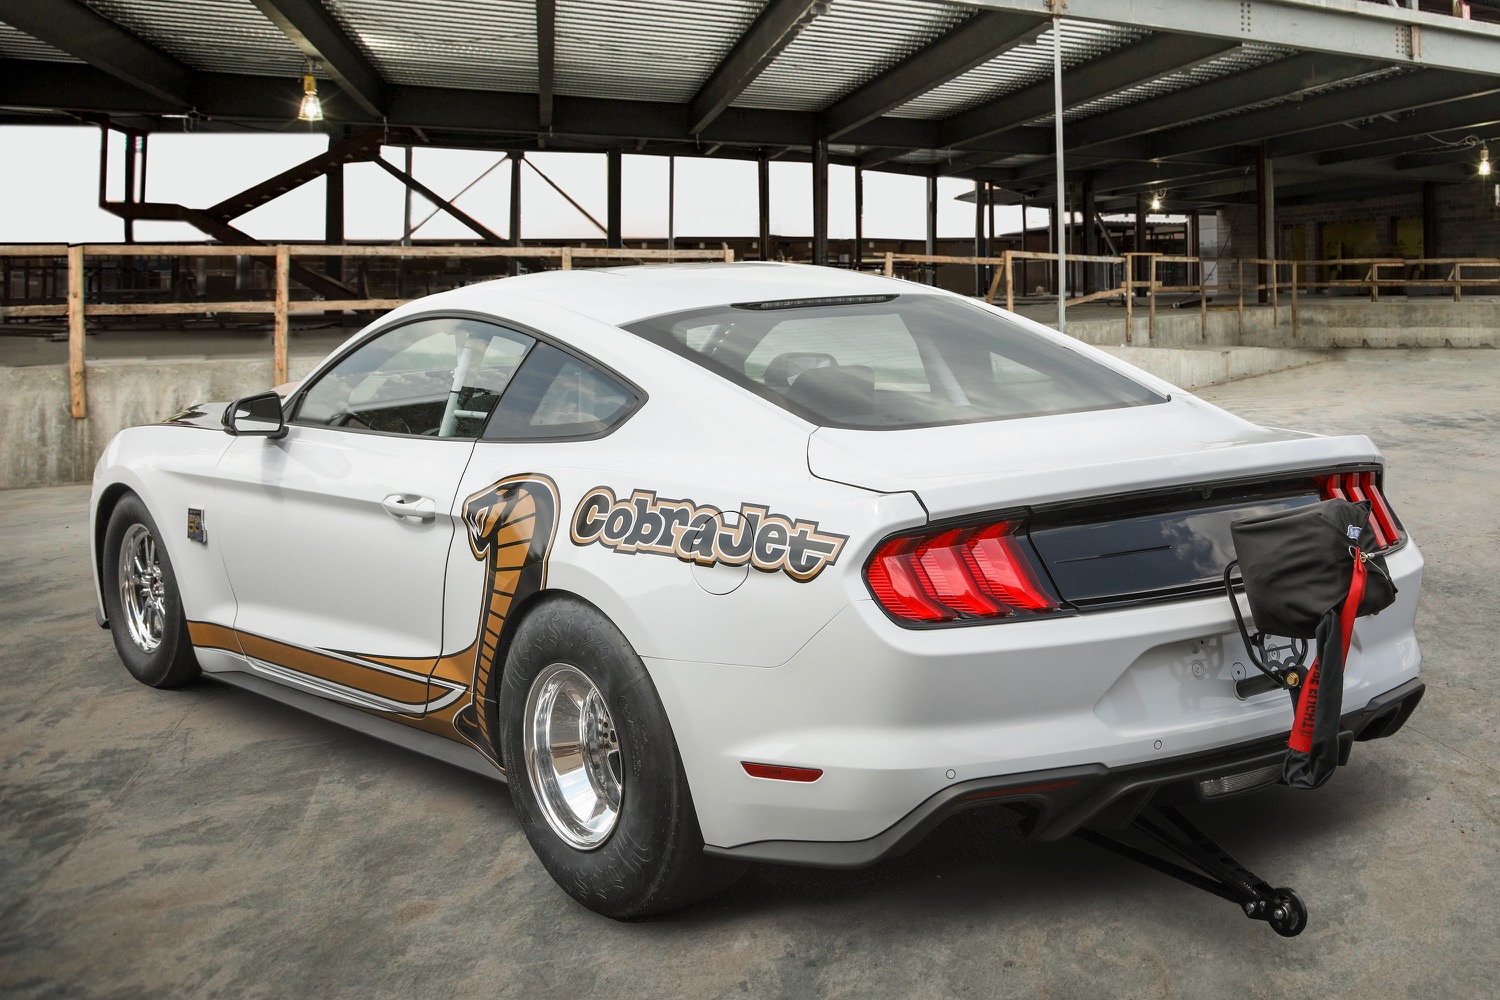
[(1124, 68), (313, 30), (1273, 81), (1478, 112), (971, 44), (761, 43), (1395, 94), (85, 34), (1338, 27)]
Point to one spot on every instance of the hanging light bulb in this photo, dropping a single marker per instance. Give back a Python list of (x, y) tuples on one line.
[(311, 108), (1156, 201), (1484, 161)]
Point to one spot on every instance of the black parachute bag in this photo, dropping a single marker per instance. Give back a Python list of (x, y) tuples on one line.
[(1308, 573)]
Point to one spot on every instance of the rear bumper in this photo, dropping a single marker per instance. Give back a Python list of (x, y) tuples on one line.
[(1062, 800)]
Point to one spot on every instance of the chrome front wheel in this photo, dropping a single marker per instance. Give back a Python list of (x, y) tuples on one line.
[(573, 756), (142, 588)]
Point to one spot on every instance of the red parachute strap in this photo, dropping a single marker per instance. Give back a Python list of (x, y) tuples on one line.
[(1302, 728)]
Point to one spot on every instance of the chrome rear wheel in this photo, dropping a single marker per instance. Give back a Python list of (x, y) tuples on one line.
[(573, 756)]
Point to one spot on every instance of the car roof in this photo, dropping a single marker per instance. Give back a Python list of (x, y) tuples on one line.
[(621, 295)]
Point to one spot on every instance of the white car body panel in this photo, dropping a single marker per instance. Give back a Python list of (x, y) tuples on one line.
[(750, 664)]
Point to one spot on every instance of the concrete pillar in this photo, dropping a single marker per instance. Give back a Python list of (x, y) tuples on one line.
[(820, 202), (612, 186)]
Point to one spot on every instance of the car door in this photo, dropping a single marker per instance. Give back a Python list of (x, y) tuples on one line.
[(509, 510), (336, 536)]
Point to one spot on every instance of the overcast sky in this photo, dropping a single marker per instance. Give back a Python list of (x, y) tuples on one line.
[(49, 184)]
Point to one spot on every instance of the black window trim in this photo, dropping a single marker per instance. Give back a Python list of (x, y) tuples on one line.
[(640, 397)]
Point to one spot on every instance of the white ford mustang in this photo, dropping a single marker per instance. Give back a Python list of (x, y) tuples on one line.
[(727, 563)]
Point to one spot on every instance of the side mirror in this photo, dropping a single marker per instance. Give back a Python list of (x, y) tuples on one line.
[(255, 416)]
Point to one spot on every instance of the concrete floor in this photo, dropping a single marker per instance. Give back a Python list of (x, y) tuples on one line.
[(209, 843)]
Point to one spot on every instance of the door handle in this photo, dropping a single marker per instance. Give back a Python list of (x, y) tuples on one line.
[(409, 507)]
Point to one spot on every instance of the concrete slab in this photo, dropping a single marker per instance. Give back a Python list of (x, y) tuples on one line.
[(208, 842)]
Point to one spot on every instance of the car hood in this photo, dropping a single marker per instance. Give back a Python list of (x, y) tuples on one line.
[(966, 468)]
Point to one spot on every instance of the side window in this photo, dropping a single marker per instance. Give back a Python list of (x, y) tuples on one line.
[(555, 395), (438, 377)]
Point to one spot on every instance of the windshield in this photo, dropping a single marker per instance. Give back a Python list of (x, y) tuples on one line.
[(902, 361)]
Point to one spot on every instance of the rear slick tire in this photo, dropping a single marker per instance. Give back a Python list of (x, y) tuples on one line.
[(594, 770), (142, 600)]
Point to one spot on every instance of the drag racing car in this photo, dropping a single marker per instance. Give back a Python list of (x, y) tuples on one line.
[(754, 562)]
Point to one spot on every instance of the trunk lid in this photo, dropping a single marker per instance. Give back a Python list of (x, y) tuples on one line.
[(970, 468)]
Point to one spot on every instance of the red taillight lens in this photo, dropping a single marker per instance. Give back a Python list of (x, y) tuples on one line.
[(980, 572), (1359, 486)]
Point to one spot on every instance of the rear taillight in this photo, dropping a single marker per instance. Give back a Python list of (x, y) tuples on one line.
[(973, 573), (1359, 486)]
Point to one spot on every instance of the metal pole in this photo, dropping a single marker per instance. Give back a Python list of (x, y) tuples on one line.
[(859, 218), (932, 208), (672, 206), (406, 215), (612, 183), (515, 207), (1057, 138), (820, 202), (978, 237), (763, 182)]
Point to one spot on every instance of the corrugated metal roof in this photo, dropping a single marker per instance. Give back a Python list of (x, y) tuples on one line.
[(1355, 81), (851, 44), (1243, 58), (1021, 67), (659, 51), (19, 45), (226, 36), (468, 44)]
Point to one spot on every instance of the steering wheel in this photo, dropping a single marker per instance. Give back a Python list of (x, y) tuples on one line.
[(346, 418)]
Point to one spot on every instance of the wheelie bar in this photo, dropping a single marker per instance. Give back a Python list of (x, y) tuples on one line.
[(1217, 872)]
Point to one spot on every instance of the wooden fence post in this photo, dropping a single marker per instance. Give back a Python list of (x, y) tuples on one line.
[(1296, 319), (280, 322), (1151, 297), (1239, 282), (1010, 284), (77, 398), (566, 259), (1129, 299), (1275, 290), (890, 264), (728, 254), (1458, 288), (1202, 304)]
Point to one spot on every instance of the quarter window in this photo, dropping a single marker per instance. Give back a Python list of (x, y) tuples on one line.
[(440, 377), (555, 395)]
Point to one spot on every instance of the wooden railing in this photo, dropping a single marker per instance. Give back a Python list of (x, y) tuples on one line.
[(78, 310), (1269, 276)]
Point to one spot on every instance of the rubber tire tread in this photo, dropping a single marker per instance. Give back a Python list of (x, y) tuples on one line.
[(653, 861), (171, 664)]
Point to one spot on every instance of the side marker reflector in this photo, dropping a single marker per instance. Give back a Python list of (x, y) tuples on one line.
[(777, 772)]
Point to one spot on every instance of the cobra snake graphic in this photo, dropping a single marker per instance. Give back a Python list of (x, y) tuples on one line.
[(510, 525)]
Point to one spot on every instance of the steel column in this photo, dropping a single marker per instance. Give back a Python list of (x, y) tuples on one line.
[(859, 218), (820, 202), (763, 185), (612, 185), (1265, 217)]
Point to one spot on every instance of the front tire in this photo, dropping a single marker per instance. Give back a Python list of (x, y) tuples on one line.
[(142, 600), (594, 771)]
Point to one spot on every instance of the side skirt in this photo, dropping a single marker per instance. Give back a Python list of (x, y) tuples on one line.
[(430, 745)]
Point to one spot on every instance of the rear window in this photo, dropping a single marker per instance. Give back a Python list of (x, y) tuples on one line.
[(904, 361)]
